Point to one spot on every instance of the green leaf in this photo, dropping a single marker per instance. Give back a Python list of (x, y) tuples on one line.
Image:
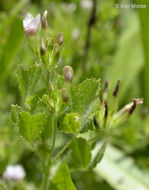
[(62, 179), (31, 126), (28, 80), (83, 95), (83, 100), (70, 123), (15, 110), (80, 155), (99, 155)]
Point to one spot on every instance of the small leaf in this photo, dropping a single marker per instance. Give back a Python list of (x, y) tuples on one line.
[(83, 95), (80, 155), (70, 123), (83, 100), (28, 80), (15, 110), (31, 126), (62, 179)]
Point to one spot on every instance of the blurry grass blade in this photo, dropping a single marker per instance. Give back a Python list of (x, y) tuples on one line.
[(128, 59), (11, 47), (14, 11), (144, 16), (121, 172)]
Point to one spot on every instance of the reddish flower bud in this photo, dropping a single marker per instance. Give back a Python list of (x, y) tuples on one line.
[(116, 88), (44, 20), (68, 73)]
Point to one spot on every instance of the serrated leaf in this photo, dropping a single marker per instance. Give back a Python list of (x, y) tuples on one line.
[(15, 110), (31, 126), (70, 123), (28, 80), (83, 95), (80, 155), (83, 100), (62, 179)]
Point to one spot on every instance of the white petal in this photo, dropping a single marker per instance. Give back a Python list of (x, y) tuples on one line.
[(28, 19)]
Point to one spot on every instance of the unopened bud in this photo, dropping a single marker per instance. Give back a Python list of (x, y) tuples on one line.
[(60, 38), (42, 47), (65, 95), (44, 20), (116, 88), (68, 73), (105, 91)]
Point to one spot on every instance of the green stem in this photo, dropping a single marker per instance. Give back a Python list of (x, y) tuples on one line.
[(47, 170), (63, 150)]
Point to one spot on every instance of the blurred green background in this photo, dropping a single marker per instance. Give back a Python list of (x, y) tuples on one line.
[(114, 45)]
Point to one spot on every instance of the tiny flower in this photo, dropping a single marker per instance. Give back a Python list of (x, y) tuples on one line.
[(44, 20), (68, 73), (14, 172), (31, 24)]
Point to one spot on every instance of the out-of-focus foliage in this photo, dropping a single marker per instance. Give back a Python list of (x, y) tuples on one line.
[(118, 49)]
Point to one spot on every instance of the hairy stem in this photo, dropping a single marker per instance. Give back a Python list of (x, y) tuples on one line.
[(47, 170), (63, 150)]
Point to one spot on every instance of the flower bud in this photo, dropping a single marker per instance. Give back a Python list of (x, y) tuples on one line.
[(60, 38), (68, 73), (105, 91), (116, 88), (65, 95), (42, 47), (44, 22), (31, 24)]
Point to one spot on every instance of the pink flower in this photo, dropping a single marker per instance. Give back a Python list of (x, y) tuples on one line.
[(14, 172), (31, 24)]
